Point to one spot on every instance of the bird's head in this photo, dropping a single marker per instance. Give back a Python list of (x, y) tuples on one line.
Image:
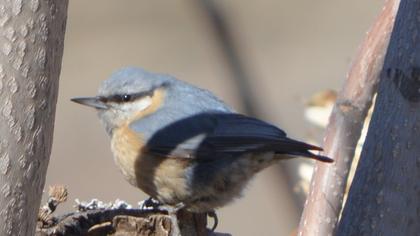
[(129, 94)]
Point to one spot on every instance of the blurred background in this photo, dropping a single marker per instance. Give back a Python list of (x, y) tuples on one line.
[(266, 58)]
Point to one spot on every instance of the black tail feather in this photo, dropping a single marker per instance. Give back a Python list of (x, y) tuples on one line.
[(311, 155), (297, 148)]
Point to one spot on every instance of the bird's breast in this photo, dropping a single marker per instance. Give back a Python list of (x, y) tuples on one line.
[(161, 177), (126, 146)]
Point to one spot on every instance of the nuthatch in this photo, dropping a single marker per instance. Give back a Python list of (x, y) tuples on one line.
[(182, 145)]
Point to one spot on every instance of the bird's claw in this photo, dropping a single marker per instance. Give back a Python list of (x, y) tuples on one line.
[(212, 214), (150, 204)]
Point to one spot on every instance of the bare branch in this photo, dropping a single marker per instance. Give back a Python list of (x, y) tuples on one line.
[(324, 203), (229, 48)]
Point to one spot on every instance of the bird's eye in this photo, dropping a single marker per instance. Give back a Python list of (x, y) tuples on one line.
[(121, 98), (126, 97)]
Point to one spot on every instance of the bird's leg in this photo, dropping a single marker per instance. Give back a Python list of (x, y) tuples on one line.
[(172, 213), (153, 204), (212, 214)]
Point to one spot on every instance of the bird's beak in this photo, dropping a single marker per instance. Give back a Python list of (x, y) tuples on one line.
[(94, 102)]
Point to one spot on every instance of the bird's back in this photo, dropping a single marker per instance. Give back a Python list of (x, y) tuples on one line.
[(182, 100)]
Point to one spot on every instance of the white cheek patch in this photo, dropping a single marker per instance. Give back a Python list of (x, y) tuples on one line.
[(137, 105)]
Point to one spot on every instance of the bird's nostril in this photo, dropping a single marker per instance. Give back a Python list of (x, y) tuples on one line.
[(102, 99)]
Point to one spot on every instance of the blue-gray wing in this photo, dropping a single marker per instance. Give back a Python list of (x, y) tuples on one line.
[(212, 135)]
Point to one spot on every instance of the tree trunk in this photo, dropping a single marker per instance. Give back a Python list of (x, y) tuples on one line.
[(384, 198), (31, 48)]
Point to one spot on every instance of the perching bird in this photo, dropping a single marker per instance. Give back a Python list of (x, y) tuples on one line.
[(182, 145)]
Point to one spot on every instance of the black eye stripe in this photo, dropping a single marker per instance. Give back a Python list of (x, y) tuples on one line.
[(121, 98)]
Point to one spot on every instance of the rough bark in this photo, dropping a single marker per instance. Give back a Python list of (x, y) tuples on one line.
[(384, 198), (324, 202), (31, 47)]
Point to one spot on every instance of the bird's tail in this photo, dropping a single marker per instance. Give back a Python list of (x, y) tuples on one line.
[(311, 155), (301, 149)]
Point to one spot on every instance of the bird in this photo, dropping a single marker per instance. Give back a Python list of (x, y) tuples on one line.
[(182, 145)]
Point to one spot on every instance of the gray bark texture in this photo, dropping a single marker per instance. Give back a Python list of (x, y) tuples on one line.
[(324, 202), (31, 48), (384, 198)]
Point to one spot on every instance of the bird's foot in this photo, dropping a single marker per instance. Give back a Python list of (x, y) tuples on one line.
[(150, 204), (212, 214), (153, 204), (171, 209)]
